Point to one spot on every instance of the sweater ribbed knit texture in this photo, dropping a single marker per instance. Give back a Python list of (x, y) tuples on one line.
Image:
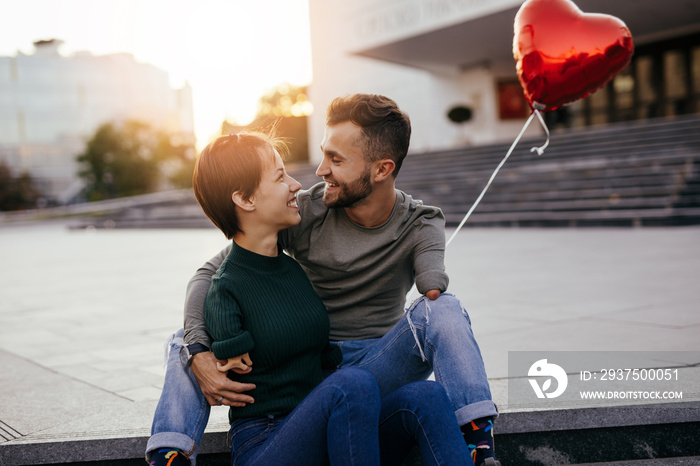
[(265, 306)]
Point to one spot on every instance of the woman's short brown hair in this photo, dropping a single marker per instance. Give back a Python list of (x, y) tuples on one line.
[(227, 165)]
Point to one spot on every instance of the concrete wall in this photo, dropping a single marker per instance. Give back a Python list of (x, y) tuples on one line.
[(340, 29)]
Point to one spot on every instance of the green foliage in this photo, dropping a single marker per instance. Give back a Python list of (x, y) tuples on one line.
[(16, 193), (286, 108), (132, 158)]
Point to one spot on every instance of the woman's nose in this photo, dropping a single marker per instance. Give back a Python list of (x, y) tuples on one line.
[(294, 185)]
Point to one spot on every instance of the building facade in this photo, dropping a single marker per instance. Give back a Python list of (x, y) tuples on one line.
[(50, 104), (438, 56)]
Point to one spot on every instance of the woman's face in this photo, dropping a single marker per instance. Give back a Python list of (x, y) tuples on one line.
[(275, 196)]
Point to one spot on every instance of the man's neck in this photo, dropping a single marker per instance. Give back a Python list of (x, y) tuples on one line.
[(375, 209)]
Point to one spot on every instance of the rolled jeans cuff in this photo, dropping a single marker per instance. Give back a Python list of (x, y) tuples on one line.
[(476, 410), (172, 440)]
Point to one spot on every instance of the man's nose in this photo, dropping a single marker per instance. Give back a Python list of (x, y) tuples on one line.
[(323, 169)]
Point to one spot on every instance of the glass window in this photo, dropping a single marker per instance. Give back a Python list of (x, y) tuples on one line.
[(695, 66), (599, 106), (623, 84), (577, 117), (675, 87), (646, 92), (674, 74), (695, 75)]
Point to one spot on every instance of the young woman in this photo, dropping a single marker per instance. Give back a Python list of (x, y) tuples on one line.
[(270, 329)]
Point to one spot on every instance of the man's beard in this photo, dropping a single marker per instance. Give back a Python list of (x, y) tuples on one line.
[(350, 194)]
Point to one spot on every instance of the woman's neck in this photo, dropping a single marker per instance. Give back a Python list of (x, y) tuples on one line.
[(265, 245)]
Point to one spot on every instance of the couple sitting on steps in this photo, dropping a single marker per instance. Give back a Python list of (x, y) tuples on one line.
[(299, 325)]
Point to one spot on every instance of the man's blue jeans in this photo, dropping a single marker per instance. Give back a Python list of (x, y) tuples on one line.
[(432, 336), (344, 421), (182, 412)]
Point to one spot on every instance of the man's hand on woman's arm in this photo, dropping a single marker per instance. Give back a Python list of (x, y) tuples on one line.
[(215, 384)]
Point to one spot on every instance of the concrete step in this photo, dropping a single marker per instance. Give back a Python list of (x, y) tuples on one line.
[(662, 435), (687, 461)]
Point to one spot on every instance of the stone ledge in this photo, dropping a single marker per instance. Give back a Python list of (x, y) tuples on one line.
[(119, 450), (687, 461), (575, 436), (600, 417)]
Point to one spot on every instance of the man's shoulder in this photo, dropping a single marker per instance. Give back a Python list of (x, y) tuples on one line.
[(310, 202), (414, 208), (313, 194), (227, 271)]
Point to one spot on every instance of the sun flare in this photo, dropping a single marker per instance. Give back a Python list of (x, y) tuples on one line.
[(230, 51)]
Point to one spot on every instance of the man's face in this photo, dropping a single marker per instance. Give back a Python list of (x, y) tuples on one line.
[(344, 168)]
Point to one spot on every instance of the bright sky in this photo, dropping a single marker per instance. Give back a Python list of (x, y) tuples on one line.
[(230, 51)]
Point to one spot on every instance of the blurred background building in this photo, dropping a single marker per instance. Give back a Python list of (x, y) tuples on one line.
[(434, 56), (629, 154), (51, 104)]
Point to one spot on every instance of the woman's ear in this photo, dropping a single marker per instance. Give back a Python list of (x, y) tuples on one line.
[(242, 202), (385, 167)]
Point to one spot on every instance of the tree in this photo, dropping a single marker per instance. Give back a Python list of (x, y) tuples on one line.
[(132, 158), (287, 108), (16, 193), (178, 166)]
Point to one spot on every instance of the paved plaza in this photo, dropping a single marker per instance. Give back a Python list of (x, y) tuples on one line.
[(84, 313)]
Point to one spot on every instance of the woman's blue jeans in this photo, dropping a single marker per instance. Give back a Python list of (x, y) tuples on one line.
[(337, 420), (432, 336), (344, 421)]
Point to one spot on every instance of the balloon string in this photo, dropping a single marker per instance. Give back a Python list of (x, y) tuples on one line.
[(540, 150), (498, 168)]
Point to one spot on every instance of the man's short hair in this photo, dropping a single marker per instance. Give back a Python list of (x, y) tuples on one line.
[(386, 129), (227, 165)]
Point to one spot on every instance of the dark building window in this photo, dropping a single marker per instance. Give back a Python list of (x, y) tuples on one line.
[(663, 79)]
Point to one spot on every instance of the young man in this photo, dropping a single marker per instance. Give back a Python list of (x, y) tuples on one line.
[(362, 243)]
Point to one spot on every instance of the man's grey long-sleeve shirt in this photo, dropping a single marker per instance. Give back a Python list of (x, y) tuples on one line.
[(361, 274)]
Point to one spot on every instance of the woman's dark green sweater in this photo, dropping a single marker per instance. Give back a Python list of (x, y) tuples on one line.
[(265, 306)]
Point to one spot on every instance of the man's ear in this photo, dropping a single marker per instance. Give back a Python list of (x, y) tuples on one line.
[(385, 168), (242, 202)]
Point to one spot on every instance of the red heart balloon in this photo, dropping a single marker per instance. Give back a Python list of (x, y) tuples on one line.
[(563, 54)]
